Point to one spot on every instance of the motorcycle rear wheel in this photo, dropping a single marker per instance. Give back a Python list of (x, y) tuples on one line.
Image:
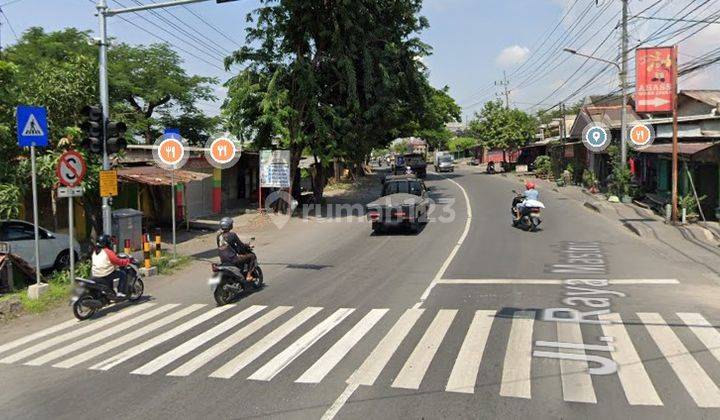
[(258, 282), (222, 295), (81, 311), (137, 292)]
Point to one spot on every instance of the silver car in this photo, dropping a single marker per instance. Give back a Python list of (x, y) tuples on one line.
[(18, 236), (445, 164)]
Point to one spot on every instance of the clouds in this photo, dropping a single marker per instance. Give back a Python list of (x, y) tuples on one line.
[(512, 56)]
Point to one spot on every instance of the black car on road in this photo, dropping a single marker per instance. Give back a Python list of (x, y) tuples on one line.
[(404, 202)]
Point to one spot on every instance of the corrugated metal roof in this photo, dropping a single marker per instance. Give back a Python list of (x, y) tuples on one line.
[(710, 97), (152, 175), (686, 149)]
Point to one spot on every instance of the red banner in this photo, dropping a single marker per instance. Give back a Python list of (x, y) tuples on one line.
[(655, 87)]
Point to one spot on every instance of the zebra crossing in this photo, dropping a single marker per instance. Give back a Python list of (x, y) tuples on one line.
[(230, 342)]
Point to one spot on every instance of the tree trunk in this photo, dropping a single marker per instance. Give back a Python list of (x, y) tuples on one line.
[(319, 180), (295, 176)]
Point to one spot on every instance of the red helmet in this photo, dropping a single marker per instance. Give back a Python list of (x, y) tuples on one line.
[(529, 185)]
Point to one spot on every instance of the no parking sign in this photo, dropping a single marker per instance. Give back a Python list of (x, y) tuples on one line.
[(71, 169)]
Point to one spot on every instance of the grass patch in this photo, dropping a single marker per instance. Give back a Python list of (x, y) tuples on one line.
[(165, 264)]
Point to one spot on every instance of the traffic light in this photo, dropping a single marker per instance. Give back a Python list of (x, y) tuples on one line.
[(116, 136), (92, 128)]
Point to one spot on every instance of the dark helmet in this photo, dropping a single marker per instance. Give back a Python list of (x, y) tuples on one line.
[(103, 241), (226, 224)]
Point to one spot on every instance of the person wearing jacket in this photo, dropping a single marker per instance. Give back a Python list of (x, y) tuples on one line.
[(232, 251), (105, 264)]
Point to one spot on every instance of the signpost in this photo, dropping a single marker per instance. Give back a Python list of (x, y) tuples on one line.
[(108, 183), (170, 152), (32, 131), (71, 170), (596, 137), (656, 92)]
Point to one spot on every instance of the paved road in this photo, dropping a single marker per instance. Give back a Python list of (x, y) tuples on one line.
[(451, 322)]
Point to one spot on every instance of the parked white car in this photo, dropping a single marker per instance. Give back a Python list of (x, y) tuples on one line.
[(54, 247)]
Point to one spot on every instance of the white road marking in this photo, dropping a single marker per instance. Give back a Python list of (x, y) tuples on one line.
[(155, 341), (697, 382), (636, 383), (110, 345), (300, 346), (340, 349), (77, 345), (413, 372), (40, 334), (190, 345), (704, 331), (340, 402), (577, 384), (467, 365), (456, 248), (43, 345), (518, 358), (369, 371), (232, 367), (208, 355), (553, 281)]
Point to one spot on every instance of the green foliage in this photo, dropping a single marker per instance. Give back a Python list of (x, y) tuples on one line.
[(439, 109), (588, 179), (621, 180), (401, 147), (500, 128), (690, 205), (10, 199), (461, 143), (542, 166), (545, 116)]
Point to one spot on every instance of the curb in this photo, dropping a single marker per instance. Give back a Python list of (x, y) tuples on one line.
[(633, 229)]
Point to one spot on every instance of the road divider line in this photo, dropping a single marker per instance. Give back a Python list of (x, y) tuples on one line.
[(577, 384), (636, 383), (155, 341), (97, 351), (618, 282), (340, 349), (229, 369), (517, 366), (699, 385), (300, 346), (456, 248), (369, 371), (108, 332), (43, 345), (210, 354), (413, 371), (190, 345), (467, 365)]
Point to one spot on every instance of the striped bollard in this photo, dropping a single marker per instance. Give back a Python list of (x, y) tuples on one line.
[(158, 247), (127, 249), (146, 254)]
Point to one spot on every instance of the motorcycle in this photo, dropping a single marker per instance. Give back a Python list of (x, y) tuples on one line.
[(530, 215), (229, 281), (490, 168), (89, 296)]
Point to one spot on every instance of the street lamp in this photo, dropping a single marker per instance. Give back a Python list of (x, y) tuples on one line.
[(623, 111)]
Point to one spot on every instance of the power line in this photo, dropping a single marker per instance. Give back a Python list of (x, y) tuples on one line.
[(677, 20), (210, 25), (10, 24)]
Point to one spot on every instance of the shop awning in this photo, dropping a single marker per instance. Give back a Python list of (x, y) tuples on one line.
[(152, 175), (687, 149)]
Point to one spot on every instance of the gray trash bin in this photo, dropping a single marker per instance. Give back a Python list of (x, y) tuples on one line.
[(127, 224)]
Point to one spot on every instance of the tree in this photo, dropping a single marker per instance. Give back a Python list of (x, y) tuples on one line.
[(439, 110), (545, 116), (500, 128), (334, 78), (146, 80), (459, 144)]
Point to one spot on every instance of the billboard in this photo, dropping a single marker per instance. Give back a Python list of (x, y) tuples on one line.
[(275, 169), (655, 71)]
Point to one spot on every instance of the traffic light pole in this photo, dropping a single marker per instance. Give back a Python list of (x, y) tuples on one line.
[(103, 14), (105, 105)]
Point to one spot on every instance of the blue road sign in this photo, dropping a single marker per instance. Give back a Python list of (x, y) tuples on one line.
[(32, 126), (169, 131)]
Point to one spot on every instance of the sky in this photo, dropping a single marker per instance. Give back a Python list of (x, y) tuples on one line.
[(473, 41)]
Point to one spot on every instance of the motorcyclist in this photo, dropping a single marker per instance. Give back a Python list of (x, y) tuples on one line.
[(530, 193), (105, 264), (232, 250)]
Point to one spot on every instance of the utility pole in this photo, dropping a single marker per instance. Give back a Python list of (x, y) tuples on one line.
[(623, 85), (563, 129), (505, 83)]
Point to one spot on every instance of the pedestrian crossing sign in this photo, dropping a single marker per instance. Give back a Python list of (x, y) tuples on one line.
[(32, 127)]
